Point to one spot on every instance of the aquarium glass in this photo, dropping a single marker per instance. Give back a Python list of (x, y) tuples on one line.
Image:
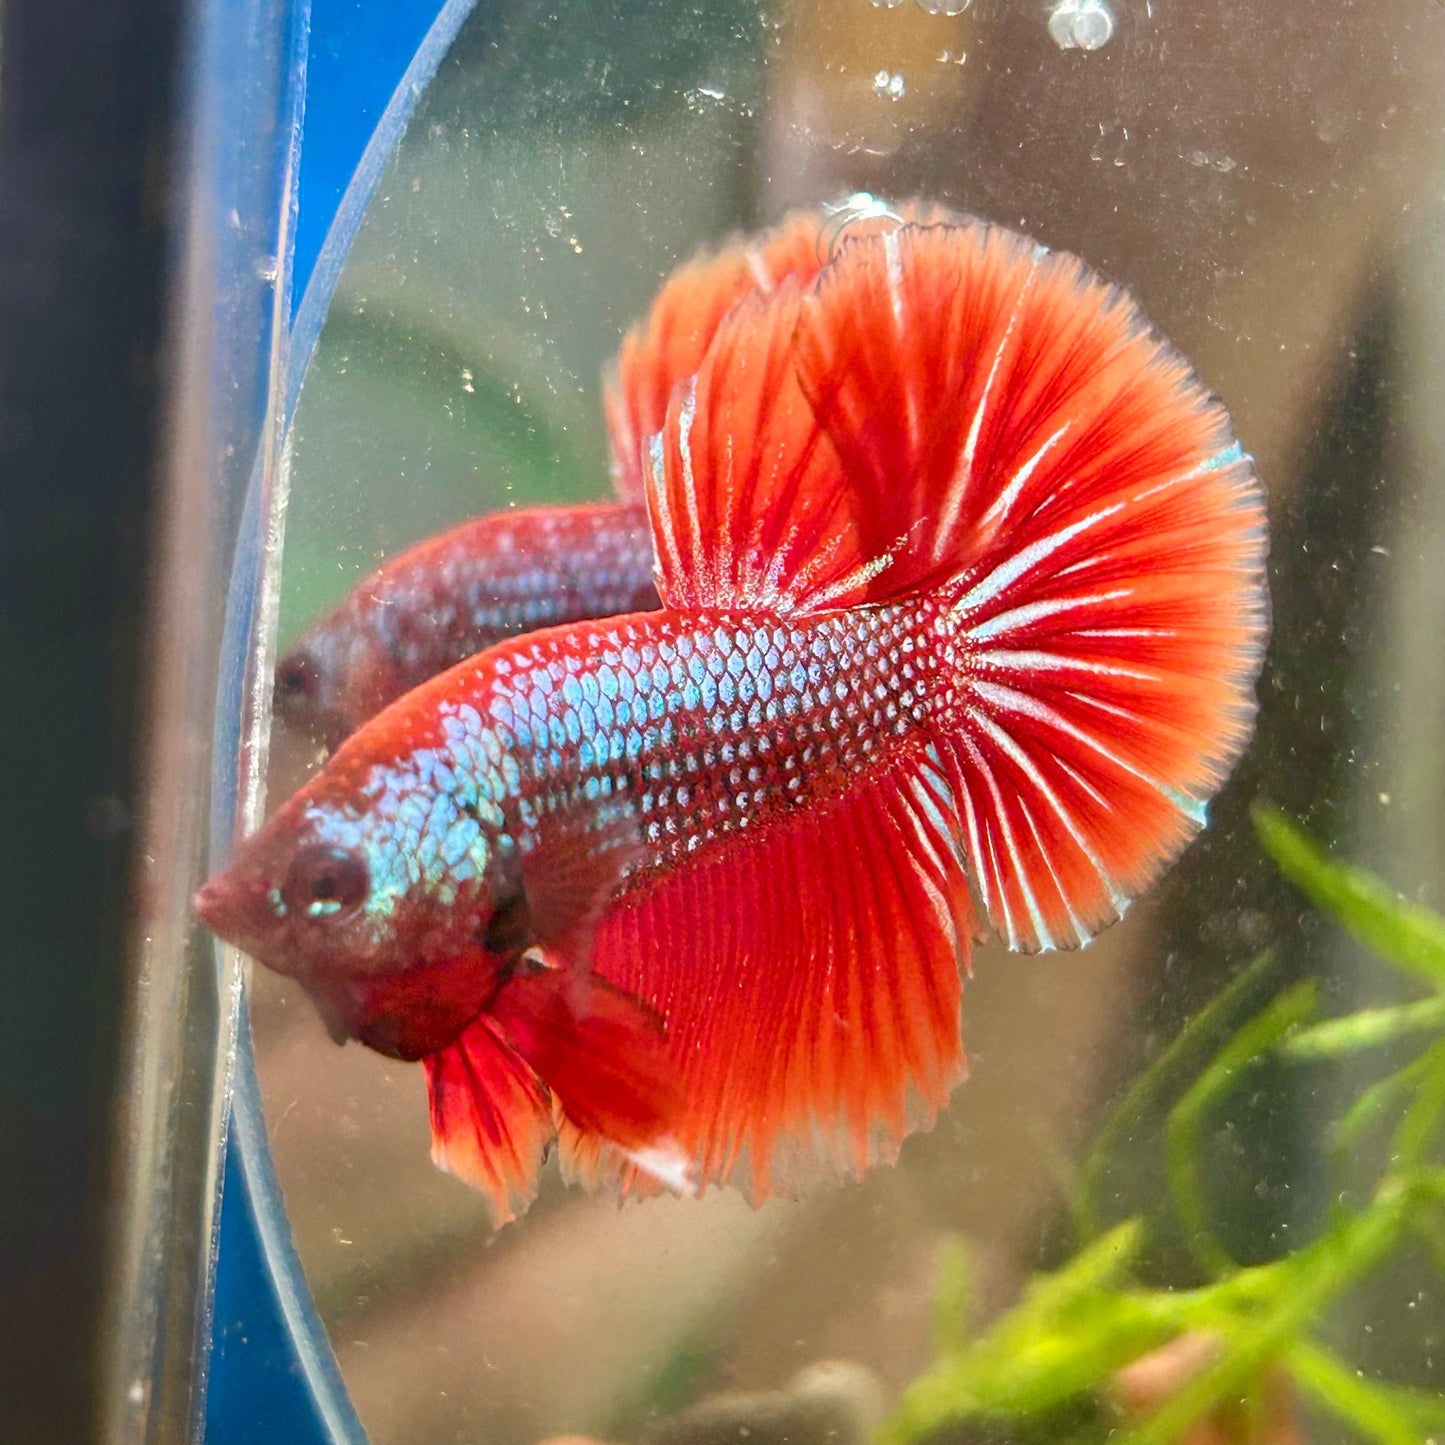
[(1269, 181)]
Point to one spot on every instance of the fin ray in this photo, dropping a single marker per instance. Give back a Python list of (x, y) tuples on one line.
[(600, 1051), (491, 1118), (809, 974), (668, 347), (992, 430)]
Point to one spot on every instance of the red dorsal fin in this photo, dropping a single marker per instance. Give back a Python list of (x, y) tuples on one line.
[(801, 469), (669, 346), (809, 975), (1073, 492), (744, 492)]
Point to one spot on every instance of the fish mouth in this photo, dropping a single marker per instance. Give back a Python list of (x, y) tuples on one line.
[(240, 912), (214, 903), (221, 905), (406, 1014)]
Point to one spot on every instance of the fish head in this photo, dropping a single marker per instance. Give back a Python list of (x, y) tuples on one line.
[(336, 677), (381, 900)]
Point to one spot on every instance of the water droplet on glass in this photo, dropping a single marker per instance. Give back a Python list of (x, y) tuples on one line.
[(945, 7), (885, 4), (889, 84), (1081, 24)]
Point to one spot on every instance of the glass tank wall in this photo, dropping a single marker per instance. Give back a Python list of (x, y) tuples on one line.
[(1267, 180)]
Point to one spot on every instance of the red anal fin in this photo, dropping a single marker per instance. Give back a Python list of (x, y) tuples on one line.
[(491, 1118), (809, 975), (557, 1049), (604, 1056)]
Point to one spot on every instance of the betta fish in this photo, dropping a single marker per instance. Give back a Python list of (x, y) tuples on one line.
[(508, 573), (962, 584), (456, 594)]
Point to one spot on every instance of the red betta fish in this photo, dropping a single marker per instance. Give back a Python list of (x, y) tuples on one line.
[(963, 592), (513, 572)]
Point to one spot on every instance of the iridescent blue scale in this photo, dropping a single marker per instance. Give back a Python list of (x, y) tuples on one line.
[(694, 727), (686, 729)]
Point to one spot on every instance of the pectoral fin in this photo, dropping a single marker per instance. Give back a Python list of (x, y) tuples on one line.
[(570, 874)]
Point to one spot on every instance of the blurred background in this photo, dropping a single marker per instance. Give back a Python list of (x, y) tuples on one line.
[(1269, 179)]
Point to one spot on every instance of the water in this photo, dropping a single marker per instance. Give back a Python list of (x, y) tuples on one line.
[(1266, 184)]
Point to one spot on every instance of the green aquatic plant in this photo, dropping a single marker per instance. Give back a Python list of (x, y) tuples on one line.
[(1246, 1335)]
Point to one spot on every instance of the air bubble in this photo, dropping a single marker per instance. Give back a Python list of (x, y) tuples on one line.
[(1081, 24), (890, 84)]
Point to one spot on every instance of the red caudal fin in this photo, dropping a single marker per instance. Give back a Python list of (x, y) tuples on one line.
[(809, 974), (954, 417), (491, 1118), (982, 391), (1074, 493), (668, 347)]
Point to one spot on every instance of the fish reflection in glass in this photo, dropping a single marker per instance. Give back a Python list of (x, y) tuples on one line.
[(962, 585)]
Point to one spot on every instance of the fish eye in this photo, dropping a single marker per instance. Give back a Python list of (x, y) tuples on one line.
[(297, 677), (325, 882)]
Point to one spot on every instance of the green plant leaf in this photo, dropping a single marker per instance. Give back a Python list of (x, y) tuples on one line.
[(1184, 1132), (1347, 1135), (1166, 1073), (1317, 1274), (1403, 933), (1421, 1123), (951, 1297), (1367, 1028), (1070, 1329), (1380, 1412), (1056, 1355)]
